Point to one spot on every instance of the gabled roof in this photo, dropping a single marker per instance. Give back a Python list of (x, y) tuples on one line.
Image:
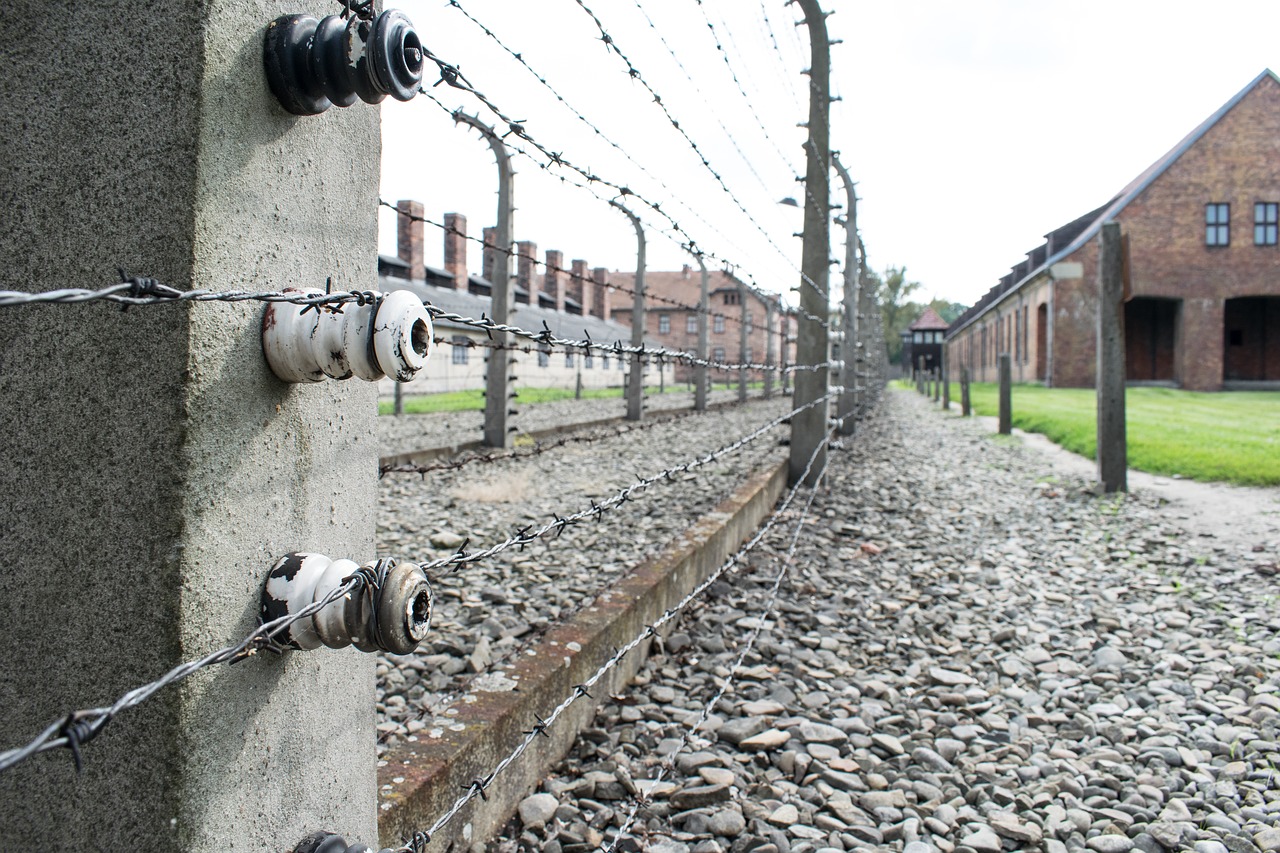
[(1109, 211), (928, 320)]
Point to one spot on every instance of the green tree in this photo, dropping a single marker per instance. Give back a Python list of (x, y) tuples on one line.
[(947, 310), (896, 310)]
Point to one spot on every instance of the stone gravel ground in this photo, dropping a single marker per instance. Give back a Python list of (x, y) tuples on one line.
[(443, 429), (487, 611), (970, 654)]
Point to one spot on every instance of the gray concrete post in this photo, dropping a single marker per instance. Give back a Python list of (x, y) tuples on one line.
[(937, 384), (742, 343), (497, 378), (1006, 394), (1112, 449), (965, 408), (809, 428), (701, 375), (155, 468), (847, 405), (635, 381), (770, 314)]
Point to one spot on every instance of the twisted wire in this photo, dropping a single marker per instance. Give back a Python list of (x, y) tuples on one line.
[(686, 738), (419, 841)]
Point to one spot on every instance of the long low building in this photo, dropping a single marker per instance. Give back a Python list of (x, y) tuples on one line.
[(1202, 270)]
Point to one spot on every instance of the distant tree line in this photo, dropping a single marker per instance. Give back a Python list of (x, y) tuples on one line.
[(898, 310)]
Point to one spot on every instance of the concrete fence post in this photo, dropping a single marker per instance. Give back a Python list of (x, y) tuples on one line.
[(635, 380), (743, 343), (155, 467), (946, 381), (1112, 450), (769, 313), (965, 409), (701, 376), (1006, 394), (937, 384)]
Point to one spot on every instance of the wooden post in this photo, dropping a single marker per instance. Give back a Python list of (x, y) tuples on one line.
[(1006, 394), (1112, 450), (496, 393), (965, 409), (701, 375), (809, 427)]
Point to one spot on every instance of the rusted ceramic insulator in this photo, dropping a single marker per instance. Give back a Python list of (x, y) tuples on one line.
[(391, 613)]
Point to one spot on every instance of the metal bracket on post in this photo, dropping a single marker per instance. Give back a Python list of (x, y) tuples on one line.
[(387, 335), (313, 65)]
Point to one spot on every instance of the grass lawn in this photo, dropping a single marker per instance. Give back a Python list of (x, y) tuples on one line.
[(1229, 436), (473, 401)]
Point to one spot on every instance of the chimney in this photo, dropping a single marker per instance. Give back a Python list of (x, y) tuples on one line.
[(526, 269), (409, 237), (600, 292), (455, 248), (489, 258), (684, 273), (553, 283), (577, 279)]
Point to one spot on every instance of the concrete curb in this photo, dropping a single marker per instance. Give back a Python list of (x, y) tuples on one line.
[(420, 780)]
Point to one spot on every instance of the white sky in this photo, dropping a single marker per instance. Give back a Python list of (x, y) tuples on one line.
[(972, 128)]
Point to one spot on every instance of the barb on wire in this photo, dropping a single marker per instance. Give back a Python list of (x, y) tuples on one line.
[(78, 727), (579, 690), (557, 526)]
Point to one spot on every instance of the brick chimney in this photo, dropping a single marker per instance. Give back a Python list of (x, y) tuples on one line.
[(553, 283), (526, 269), (600, 292), (455, 248), (409, 237), (578, 278)]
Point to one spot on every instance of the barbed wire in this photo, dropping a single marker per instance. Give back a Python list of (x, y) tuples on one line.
[(686, 738), (418, 841), (78, 727), (530, 534), (782, 60), (453, 77)]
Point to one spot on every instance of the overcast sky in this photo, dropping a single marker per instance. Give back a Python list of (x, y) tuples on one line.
[(972, 128)]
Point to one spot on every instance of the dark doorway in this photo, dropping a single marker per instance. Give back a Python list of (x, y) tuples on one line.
[(1251, 339), (1150, 333), (1042, 340)]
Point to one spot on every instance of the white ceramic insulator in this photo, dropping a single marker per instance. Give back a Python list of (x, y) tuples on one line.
[(388, 336)]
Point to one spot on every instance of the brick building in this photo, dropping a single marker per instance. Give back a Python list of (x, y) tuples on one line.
[(567, 299), (1202, 271), (672, 318)]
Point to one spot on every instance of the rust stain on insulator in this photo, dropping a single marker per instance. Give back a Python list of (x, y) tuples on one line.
[(390, 611)]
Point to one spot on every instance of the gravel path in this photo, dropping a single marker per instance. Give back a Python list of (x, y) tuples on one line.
[(971, 654), (487, 611), (444, 429)]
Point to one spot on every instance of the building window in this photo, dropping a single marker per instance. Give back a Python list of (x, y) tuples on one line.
[(587, 361), (544, 355), (604, 362), (621, 362), (568, 359), (717, 355), (1264, 223), (1217, 224), (719, 324), (691, 324), (461, 345), (751, 324), (731, 298), (664, 324)]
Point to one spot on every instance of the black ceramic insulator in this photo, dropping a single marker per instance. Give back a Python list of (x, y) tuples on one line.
[(315, 64)]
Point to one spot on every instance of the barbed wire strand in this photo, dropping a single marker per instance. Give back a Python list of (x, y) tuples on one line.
[(419, 840), (686, 738)]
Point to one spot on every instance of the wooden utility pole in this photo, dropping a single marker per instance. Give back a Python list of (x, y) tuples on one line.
[(809, 427), (700, 373), (847, 406), (1112, 450), (1006, 394), (496, 393), (635, 381)]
